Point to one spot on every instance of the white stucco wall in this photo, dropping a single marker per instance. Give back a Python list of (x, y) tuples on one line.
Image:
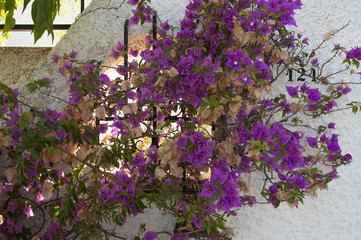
[(336, 213), (11, 69)]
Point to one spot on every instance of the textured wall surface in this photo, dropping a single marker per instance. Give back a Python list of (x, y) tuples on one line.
[(336, 213), (16, 62)]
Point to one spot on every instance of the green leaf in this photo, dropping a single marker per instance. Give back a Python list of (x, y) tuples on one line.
[(26, 115), (75, 131), (355, 62), (10, 5), (321, 129), (26, 2), (54, 175), (204, 106), (19, 158), (354, 109), (9, 22), (124, 194), (25, 141), (82, 186), (138, 204), (35, 153), (71, 208), (88, 157), (39, 19), (346, 61), (43, 13), (213, 101), (22, 125), (32, 87), (206, 100), (7, 90), (74, 194)]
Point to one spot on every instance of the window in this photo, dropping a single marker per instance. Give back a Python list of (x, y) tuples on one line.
[(21, 36)]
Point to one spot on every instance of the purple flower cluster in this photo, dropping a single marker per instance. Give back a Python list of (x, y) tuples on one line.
[(195, 149), (224, 181), (213, 71), (313, 97), (55, 232), (354, 53), (116, 192)]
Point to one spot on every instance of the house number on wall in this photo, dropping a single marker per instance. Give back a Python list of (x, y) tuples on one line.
[(303, 74)]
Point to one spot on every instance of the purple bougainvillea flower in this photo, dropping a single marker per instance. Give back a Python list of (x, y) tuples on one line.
[(312, 107), (267, 103), (12, 226), (234, 59), (331, 125), (332, 157), (165, 26), (292, 91), (14, 117), (330, 105), (313, 95), (55, 58), (48, 80), (135, 19), (181, 122), (333, 174), (332, 145), (133, 2), (197, 222), (315, 62), (150, 235), (73, 54), (347, 158), (119, 124), (208, 190), (15, 91), (304, 88), (105, 80), (286, 106), (103, 127), (346, 90), (305, 41), (12, 206), (312, 141), (246, 79), (61, 134), (160, 116), (113, 89), (300, 181), (114, 54), (39, 197), (323, 138), (337, 47), (28, 211), (182, 142), (354, 53), (180, 236), (133, 52), (181, 206)]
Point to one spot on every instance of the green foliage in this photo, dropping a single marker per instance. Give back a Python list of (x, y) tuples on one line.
[(43, 13)]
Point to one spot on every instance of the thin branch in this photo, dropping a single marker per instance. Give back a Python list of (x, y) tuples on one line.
[(109, 175)]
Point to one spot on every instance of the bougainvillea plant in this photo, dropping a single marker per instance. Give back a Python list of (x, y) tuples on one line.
[(181, 129)]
